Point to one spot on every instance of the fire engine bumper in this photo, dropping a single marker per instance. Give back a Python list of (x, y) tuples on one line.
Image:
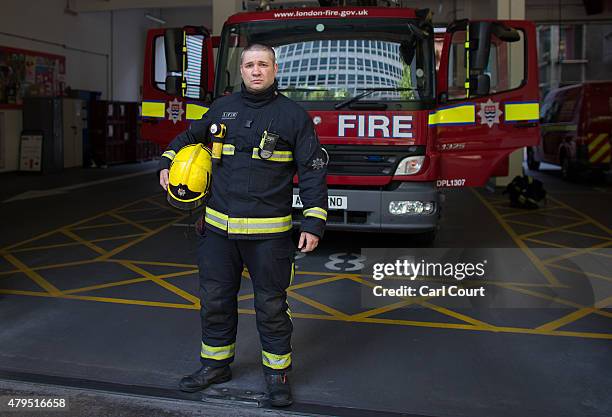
[(369, 210)]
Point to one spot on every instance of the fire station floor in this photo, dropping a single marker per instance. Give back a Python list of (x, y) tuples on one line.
[(98, 305)]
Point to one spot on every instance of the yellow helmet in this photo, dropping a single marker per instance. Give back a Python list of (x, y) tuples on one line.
[(190, 177)]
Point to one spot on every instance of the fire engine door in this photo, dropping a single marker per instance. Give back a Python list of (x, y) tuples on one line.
[(488, 99), (177, 81)]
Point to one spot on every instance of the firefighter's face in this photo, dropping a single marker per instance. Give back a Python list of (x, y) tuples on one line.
[(258, 70)]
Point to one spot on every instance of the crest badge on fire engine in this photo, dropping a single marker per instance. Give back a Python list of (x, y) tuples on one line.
[(175, 111), (489, 113)]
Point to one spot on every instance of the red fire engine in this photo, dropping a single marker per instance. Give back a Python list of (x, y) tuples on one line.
[(402, 109)]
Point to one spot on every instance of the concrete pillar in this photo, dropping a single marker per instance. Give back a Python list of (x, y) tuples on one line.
[(506, 10), (221, 10)]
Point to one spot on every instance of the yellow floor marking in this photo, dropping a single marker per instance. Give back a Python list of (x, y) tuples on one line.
[(83, 241), (127, 282), (582, 251), (70, 226), (318, 305), (570, 318), (552, 229), (138, 240), (520, 243), (563, 301), (158, 219), (61, 245), (128, 221), (573, 232), (527, 224), (97, 226), (131, 302), (137, 210), (38, 279), (458, 316), (154, 263), (384, 309), (63, 265), (434, 307), (540, 212), (543, 242), (586, 216), (176, 290), (317, 282), (578, 271)]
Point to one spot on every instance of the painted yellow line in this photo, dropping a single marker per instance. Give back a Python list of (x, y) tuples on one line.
[(540, 212), (154, 263), (61, 245), (70, 226), (570, 318), (437, 308), (138, 210), (527, 224), (317, 282), (458, 316), (552, 229), (543, 242), (582, 251), (65, 264), (586, 216), (131, 302), (135, 241), (127, 282), (159, 219), (128, 221), (579, 271), (520, 243), (181, 293), (573, 232), (82, 241), (383, 309), (317, 305), (38, 279), (97, 226)]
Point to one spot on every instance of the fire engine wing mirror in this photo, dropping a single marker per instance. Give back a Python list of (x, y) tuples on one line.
[(479, 45), (173, 43)]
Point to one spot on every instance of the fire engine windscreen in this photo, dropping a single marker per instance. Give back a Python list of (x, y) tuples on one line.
[(332, 60)]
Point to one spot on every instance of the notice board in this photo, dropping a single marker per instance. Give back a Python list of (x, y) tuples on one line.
[(26, 73)]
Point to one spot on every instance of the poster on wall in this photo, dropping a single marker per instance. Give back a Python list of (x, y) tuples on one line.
[(26, 73), (30, 153)]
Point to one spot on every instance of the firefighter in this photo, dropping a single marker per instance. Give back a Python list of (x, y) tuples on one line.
[(260, 139)]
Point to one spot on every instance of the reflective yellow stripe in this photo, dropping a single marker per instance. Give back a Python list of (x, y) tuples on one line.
[(251, 226), (461, 114), (153, 109), (515, 112), (600, 153), (170, 154), (277, 156), (316, 212), (247, 226), (274, 361), (195, 111), (217, 352), (595, 142), (228, 149)]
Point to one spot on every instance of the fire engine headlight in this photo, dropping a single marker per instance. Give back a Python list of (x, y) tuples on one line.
[(410, 165), (411, 207)]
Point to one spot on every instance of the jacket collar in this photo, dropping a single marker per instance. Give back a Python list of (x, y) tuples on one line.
[(259, 99)]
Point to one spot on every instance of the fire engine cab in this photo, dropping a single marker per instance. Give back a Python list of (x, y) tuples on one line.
[(402, 108)]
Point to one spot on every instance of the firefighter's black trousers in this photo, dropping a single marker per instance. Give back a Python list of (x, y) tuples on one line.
[(271, 269)]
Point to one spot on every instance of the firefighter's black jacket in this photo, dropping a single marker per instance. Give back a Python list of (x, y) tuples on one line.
[(251, 198)]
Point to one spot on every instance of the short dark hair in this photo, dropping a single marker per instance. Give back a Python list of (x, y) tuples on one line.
[(258, 47)]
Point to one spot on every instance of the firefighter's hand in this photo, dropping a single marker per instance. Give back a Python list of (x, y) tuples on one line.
[(308, 242), (163, 179)]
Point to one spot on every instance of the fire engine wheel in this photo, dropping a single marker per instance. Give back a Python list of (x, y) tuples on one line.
[(532, 164)]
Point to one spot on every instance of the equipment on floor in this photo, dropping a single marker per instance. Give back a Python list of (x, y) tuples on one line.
[(190, 177), (526, 192)]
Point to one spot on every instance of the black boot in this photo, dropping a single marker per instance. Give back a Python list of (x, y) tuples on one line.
[(279, 390), (204, 377)]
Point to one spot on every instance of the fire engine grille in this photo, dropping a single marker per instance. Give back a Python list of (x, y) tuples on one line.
[(363, 160)]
